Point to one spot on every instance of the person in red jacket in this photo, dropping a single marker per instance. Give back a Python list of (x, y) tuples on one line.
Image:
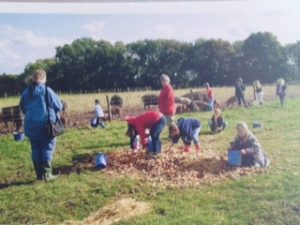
[(152, 120), (210, 96), (167, 99)]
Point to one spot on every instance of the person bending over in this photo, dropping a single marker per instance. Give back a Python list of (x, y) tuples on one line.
[(188, 130), (152, 120)]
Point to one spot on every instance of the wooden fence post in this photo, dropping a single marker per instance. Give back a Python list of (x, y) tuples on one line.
[(109, 110), (254, 92)]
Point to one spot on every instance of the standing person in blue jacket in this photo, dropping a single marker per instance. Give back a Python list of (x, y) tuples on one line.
[(33, 105), (188, 130)]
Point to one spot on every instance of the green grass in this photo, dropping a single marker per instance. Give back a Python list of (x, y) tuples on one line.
[(271, 198)]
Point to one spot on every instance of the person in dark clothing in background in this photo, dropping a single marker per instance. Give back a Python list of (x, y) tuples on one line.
[(240, 92)]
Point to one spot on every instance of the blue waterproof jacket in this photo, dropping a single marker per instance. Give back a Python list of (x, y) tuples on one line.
[(33, 105), (186, 128)]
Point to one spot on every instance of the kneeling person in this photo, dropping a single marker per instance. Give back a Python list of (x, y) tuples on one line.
[(152, 120), (188, 130), (217, 122), (250, 148)]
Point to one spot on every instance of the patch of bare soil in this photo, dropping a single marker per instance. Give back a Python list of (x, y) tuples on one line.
[(170, 169), (120, 210), (175, 169)]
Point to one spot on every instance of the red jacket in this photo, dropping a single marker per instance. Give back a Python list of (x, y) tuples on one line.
[(144, 121), (167, 101), (210, 93)]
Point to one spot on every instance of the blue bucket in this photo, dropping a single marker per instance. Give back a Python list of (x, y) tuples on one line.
[(94, 123), (234, 158), (101, 161), (19, 136), (257, 125)]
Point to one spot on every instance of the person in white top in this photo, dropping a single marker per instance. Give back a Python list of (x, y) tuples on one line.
[(99, 115)]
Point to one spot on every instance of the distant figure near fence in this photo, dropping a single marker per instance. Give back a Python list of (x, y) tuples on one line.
[(240, 92), (34, 106), (210, 96), (167, 99), (259, 94), (281, 90), (98, 120)]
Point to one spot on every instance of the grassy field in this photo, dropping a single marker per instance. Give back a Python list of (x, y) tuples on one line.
[(272, 198), (80, 103)]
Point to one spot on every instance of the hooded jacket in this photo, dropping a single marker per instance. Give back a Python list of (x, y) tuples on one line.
[(167, 101), (186, 128), (253, 148), (144, 121), (33, 105), (240, 89)]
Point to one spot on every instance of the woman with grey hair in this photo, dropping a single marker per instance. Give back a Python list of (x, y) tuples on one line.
[(167, 99), (39, 104), (250, 148)]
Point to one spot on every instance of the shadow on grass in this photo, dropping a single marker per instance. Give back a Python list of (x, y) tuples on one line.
[(15, 184), (80, 163)]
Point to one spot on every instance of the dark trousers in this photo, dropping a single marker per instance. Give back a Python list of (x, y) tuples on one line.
[(241, 99), (155, 132), (132, 141), (281, 98), (42, 151), (100, 122)]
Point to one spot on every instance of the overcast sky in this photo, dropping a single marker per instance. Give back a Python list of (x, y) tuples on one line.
[(31, 31)]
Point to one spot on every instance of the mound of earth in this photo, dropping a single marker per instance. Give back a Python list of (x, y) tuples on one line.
[(173, 168)]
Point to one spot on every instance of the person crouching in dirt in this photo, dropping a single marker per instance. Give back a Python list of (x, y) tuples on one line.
[(98, 120), (210, 96), (167, 99), (152, 120), (250, 148), (281, 90), (34, 106), (217, 122), (240, 92), (188, 130)]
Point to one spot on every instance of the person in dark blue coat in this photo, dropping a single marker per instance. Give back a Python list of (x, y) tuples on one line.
[(240, 92), (33, 105), (188, 130)]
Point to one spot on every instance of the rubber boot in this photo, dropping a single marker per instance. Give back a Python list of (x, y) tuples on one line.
[(48, 176), (198, 148), (38, 171), (186, 148)]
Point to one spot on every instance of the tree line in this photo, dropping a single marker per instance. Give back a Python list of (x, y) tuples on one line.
[(88, 64)]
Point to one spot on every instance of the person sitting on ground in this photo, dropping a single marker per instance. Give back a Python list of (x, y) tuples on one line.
[(188, 130), (98, 120), (281, 89), (210, 96), (250, 148), (217, 123), (240, 92), (259, 94), (152, 120)]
